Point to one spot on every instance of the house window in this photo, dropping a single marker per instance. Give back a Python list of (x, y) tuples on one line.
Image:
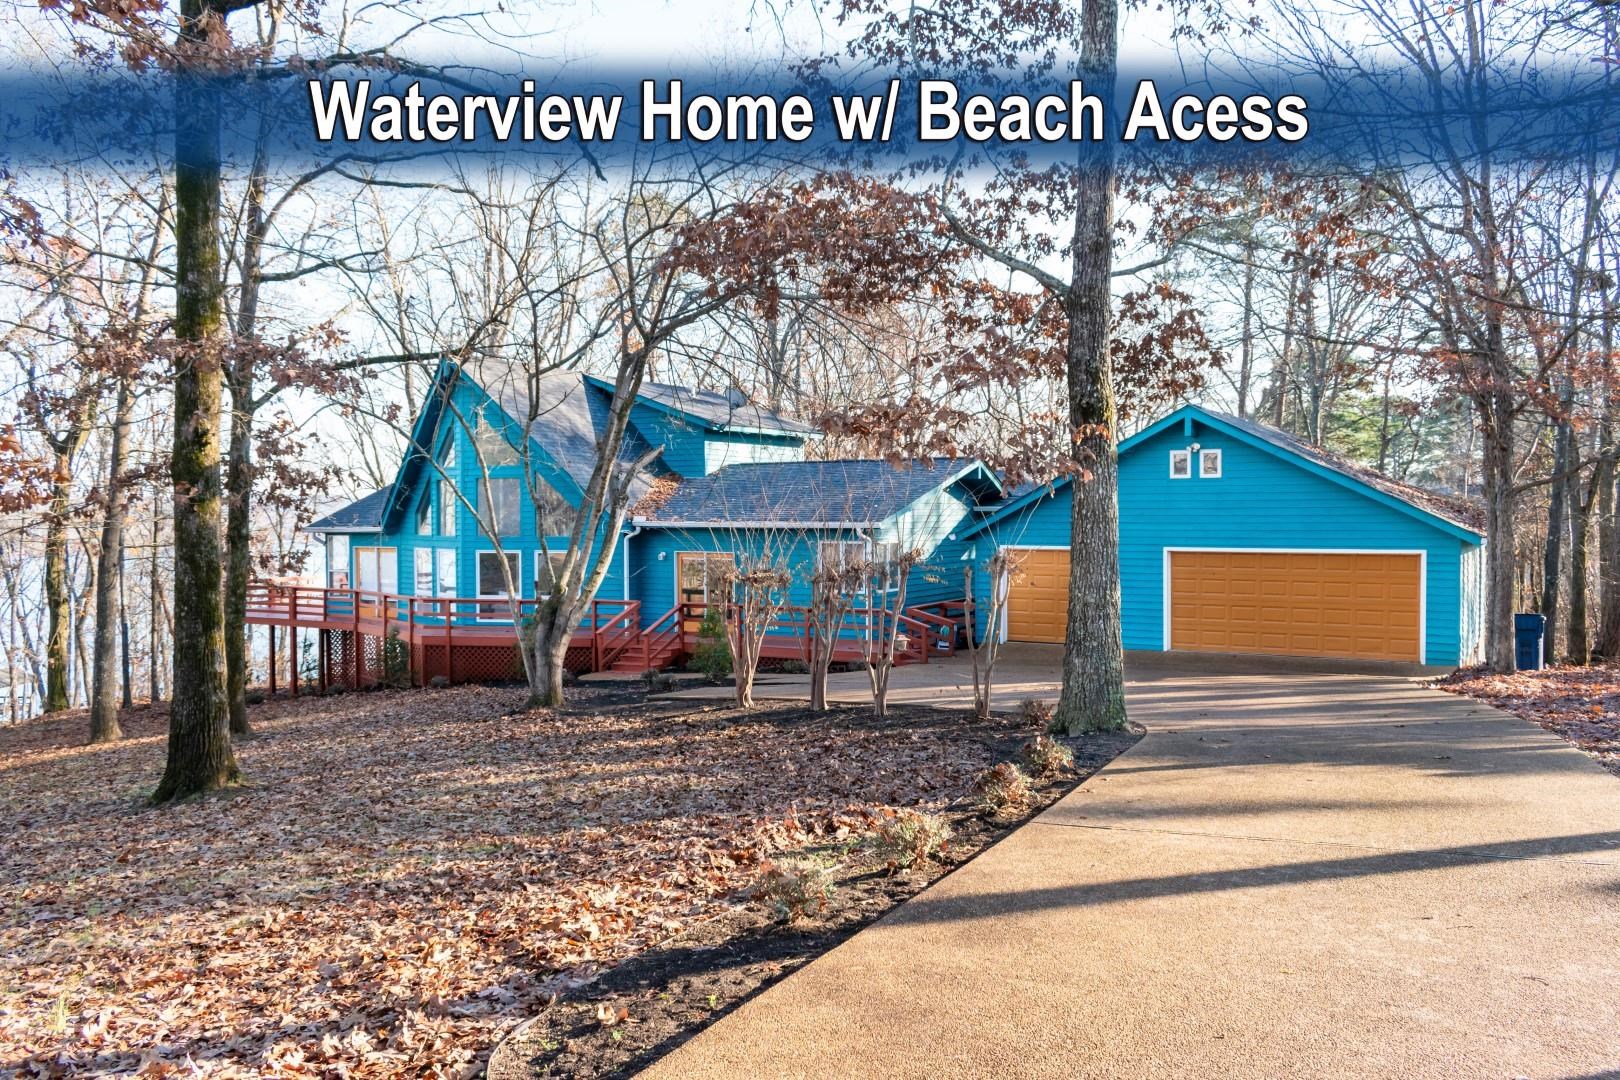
[(1180, 464), (447, 508), (424, 513), (446, 558), (500, 506), (337, 561), (424, 571), (547, 565), (1209, 464), (841, 553), (493, 449), (491, 581), (553, 516)]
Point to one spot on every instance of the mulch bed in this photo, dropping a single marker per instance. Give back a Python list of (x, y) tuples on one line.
[(1578, 704), (406, 876), (651, 1004)]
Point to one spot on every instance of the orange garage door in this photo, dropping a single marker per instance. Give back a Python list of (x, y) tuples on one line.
[(1038, 596), (1364, 607)]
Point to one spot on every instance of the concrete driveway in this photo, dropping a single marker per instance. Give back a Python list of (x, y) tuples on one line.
[(1292, 875)]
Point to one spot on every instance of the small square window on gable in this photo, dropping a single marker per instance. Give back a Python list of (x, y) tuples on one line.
[(1209, 464), (1180, 464)]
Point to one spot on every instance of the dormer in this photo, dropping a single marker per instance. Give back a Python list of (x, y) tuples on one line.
[(704, 430)]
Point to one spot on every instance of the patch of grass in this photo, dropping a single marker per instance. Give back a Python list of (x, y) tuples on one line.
[(910, 837), (1002, 790), (1043, 757), (795, 887)]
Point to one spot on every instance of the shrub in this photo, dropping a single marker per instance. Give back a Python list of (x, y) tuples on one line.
[(794, 887), (909, 838), (1036, 713), (1043, 757), (713, 655), (1002, 789)]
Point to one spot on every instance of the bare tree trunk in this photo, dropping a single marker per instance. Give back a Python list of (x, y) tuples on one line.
[(1246, 363), (110, 583), (1577, 650), (238, 567), (1552, 553), (239, 457), (199, 751), (56, 596), (1093, 695), (1497, 476)]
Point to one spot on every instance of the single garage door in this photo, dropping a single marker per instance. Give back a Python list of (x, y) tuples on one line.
[(1038, 596), (1363, 607)]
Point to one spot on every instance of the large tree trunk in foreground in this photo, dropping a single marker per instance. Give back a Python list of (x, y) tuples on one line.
[(200, 757), (110, 584), (1093, 659)]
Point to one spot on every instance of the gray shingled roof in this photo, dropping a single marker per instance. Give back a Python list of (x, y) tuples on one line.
[(804, 492), (362, 515), (1455, 509), (570, 416), (727, 411)]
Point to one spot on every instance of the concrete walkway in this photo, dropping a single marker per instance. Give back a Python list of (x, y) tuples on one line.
[(1291, 876)]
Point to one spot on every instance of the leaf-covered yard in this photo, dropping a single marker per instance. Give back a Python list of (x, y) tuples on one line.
[(1580, 704), (407, 875)]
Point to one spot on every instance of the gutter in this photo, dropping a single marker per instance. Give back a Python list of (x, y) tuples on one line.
[(635, 531), (732, 524)]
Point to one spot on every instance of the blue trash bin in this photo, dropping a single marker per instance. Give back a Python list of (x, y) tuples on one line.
[(1528, 633)]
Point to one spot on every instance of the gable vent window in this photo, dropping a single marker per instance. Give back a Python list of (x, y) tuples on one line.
[(1209, 464), (1180, 464)]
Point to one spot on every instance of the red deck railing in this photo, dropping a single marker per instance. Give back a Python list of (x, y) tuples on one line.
[(434, 628)]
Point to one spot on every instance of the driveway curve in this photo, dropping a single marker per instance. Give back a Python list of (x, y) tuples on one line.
[(1292, 875)]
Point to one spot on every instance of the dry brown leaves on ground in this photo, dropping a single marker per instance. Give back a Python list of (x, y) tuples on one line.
[(1579, 704), (406, 875)]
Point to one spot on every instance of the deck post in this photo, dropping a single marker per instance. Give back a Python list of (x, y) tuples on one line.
[(449, 642), (322, 650), (410, 640), (272, 658), (292, 659), (354, 640)]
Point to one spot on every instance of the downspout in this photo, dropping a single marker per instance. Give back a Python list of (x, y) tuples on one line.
[(634, 531)]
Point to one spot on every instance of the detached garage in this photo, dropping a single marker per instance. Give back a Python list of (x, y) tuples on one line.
[(1236, 537)]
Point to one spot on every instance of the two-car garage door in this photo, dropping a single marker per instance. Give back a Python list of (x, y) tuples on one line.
[(1364, 606)]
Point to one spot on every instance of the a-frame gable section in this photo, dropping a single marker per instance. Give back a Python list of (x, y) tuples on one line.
[(455, 401)]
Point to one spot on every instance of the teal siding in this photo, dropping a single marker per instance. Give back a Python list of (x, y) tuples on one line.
[(725, 448), (1259, 501), (400, 531), (927, 525), (653, 560), (682, 440)]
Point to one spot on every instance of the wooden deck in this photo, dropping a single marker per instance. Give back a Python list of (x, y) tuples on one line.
[(368, 638)]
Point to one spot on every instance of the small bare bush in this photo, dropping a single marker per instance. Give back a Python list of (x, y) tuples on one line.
[(794, 887), (909, 838), (1003, 790), (1043, 757), (1036, 713)]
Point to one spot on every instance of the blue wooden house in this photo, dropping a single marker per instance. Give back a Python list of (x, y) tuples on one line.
[(502, 454), (1235, 537)]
